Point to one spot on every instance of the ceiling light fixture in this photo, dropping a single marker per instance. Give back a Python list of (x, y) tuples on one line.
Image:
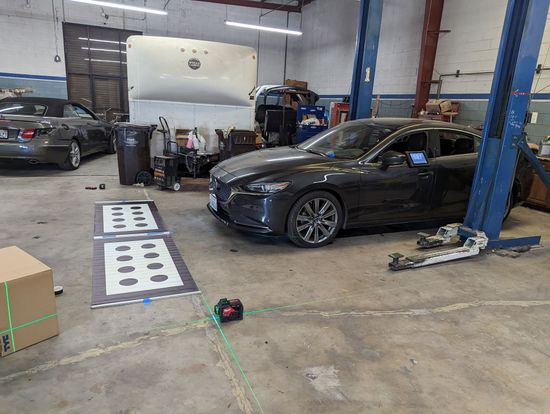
[(122, 6), (102, 40), (104, 61), (265, 28), (97, 49)]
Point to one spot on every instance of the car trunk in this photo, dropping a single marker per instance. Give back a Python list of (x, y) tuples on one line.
[(12, 125)]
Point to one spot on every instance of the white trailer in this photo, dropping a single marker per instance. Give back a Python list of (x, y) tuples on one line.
[(192, 83)]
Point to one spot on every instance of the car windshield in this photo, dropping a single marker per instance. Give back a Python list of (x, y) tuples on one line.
[(22, 108), (347, 140)]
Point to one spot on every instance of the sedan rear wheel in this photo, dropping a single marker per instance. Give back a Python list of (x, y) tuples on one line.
[(315, 219), (72, 162)]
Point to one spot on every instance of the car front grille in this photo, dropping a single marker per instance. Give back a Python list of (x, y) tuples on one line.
[(221, 189)]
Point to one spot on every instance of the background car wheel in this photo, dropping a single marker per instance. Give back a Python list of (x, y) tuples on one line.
[(72, 162), (111, 148), (315, 219)]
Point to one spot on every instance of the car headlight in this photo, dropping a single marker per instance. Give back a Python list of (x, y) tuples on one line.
[(266, 188)]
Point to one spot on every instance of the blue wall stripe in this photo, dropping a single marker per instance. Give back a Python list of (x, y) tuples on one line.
[(457, 96), (27, 76)]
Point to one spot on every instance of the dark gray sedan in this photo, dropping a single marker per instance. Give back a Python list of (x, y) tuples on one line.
[(362, 173), (46, 130)]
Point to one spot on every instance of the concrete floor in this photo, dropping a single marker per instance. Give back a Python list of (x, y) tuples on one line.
[(471, 336)]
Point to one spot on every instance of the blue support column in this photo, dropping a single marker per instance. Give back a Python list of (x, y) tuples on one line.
[(366, 50), (522, 32)]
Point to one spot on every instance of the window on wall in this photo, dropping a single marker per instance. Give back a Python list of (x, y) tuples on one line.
[(95, 59)]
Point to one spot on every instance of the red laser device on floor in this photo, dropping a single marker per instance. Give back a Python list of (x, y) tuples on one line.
[(229, 310)]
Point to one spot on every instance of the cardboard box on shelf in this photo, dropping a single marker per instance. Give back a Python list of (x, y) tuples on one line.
[(28, 313), (438, 106), (293, 82)]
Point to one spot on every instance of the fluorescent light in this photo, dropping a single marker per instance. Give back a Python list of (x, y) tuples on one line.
[(102, 40), (97, 49), (266, 28), (105, 61), (122, 6)]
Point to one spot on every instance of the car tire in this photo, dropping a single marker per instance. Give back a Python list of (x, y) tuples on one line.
[(111, 147), (72, 162), (315, 219)]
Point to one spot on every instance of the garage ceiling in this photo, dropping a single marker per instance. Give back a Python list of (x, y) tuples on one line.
[(294, 6)]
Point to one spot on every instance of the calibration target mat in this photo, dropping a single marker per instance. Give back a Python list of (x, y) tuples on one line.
[(129, 267), (127, 217)]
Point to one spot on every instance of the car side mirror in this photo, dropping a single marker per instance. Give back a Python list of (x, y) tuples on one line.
[(392, 158)]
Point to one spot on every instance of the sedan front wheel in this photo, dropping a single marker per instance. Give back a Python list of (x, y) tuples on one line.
[(315, 219)]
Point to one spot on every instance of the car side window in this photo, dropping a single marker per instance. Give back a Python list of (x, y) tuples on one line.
[(456, 143), (82, 113), (69, 112), (415, 141)]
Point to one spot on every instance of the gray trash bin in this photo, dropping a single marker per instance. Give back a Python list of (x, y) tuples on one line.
[(133, 144)]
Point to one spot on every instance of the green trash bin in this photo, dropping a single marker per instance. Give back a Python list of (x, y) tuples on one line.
[(133, 143)]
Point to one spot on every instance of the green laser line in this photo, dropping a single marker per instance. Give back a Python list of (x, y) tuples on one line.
[(35, 321), (180, 324), (230, 348), (311, 302), (253, 312), (9, 315)]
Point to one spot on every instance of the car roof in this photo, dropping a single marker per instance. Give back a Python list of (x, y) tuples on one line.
[(55, 105), (401, 123)]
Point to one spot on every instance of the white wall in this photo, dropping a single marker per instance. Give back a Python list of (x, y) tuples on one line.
[(472, 45), (27, 43), (323, 56), (399, 47), (27, 33), (328, 45)]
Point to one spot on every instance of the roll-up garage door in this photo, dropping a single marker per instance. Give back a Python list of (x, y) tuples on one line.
[(95, 59)]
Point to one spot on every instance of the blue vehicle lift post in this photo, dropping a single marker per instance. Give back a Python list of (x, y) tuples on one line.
[(502, 139), (366, 51)]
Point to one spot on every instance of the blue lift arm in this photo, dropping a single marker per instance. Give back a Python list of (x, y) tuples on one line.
[(502, 139), (522, 33), (366, 51)]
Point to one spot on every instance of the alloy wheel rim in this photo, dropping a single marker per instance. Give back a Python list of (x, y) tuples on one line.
[(317, 220), (74, 155)]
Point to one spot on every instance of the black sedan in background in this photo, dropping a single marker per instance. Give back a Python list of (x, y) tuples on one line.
[(46, 130), (361, 173)]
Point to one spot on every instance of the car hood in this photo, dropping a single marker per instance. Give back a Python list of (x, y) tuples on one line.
[(267, 162)]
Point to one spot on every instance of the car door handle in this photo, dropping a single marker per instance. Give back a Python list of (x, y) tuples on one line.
[(426, 175), (65, 126)]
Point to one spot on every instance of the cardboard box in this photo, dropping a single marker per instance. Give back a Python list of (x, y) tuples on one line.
[(294, 82), (438, 106), (27, 302)]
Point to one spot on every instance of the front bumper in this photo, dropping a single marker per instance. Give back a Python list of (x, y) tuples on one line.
[(36, 151), (264, 214)]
